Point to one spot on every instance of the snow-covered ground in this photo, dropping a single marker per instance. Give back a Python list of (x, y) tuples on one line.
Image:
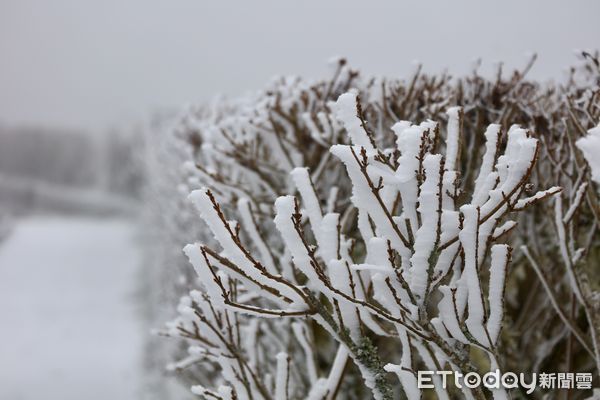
[(68, 323)]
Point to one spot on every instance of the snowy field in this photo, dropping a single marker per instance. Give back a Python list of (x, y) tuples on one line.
[(68, 325)]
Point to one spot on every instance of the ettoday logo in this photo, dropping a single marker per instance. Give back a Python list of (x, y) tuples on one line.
[(508, 380)]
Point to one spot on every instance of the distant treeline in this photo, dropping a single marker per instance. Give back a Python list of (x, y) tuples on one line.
[(37, 158)]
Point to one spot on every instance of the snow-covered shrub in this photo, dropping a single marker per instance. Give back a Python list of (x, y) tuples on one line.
[(421, 265), (356, 235)]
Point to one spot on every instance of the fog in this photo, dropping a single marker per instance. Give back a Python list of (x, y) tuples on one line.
[(90, 64)]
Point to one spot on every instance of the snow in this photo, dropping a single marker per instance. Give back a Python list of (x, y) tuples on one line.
[(564, 251), (575, 203), (500, 258), (468, 239), (204, 204), (590, 146), (250, 227), (302, 337), (193, 253), (409, 142), (69, 328), (346, 111), (426, 235), (363, 197), (448, 315), (309, 198), (281, 381), (283, 221), (522, 203), (492, 135), (452, 141), (337, 369)]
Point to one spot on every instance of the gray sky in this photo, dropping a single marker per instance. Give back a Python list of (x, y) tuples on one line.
[(91, 64)]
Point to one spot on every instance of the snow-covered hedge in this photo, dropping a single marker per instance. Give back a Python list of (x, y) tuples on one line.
[(344, 245)]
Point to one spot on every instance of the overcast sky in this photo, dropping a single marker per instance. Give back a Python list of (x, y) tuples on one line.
[(92, 64)]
